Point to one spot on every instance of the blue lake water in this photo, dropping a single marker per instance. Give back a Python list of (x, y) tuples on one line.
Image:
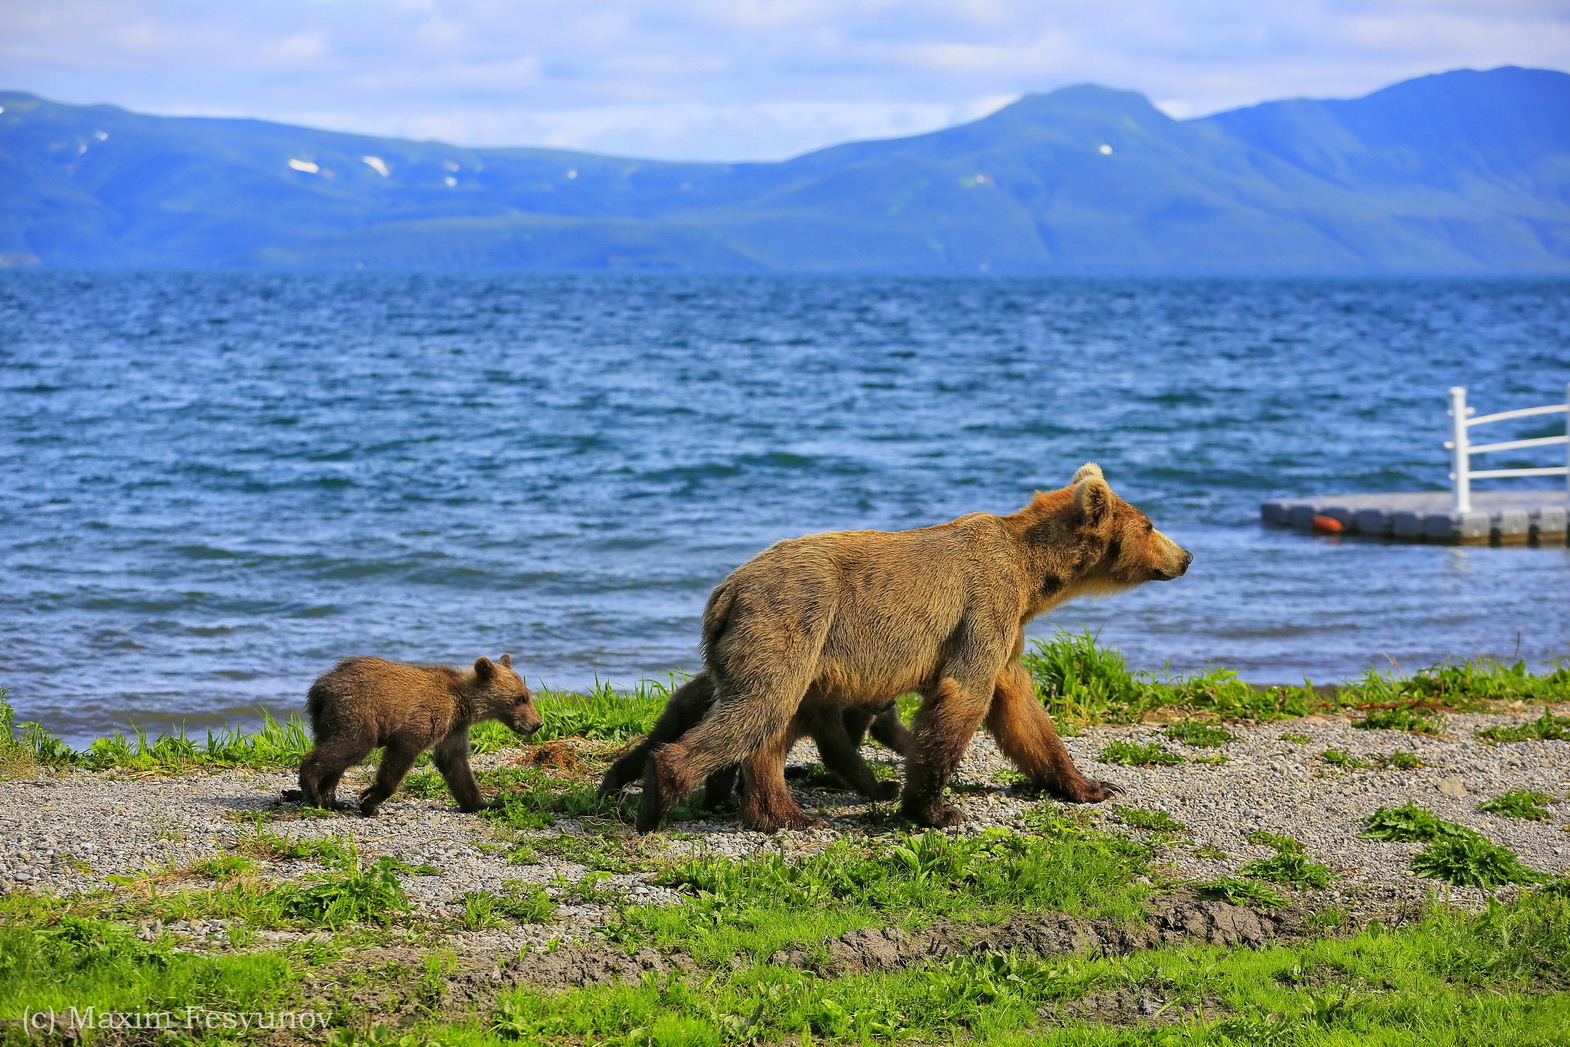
[(216, 484)]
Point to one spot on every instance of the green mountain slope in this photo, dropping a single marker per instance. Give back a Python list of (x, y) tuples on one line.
[(1462, 172)]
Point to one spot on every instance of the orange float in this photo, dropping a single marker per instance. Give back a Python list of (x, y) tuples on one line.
[(1327, 525)]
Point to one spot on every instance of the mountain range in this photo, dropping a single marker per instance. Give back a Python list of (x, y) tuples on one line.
[(1460, 172)]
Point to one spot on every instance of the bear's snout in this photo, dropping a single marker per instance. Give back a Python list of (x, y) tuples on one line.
[(1177, 570)]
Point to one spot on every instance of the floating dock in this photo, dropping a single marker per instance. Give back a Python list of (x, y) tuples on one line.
[(1459, 516), (1495, 518)]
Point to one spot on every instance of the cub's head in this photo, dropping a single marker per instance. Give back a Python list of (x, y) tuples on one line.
[(1120, 547), (505, 697)]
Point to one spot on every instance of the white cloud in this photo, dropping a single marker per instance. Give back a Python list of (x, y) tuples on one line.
[(732, 79)]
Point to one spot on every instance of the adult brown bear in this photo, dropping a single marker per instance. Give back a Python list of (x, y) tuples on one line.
[(859, 617)]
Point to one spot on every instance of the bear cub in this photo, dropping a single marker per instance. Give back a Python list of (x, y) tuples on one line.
[(362, 703)]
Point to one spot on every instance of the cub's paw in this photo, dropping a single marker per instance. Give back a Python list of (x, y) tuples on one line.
[(941, 816), (293, 796), (882, 792)]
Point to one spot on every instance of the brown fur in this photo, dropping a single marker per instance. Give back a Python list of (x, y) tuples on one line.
[(838, 733), (362, 703), (863, 616)]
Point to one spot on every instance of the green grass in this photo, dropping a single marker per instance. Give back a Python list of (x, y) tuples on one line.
[(1138, 754), (1084, 683), (516, 902), (1398, 760), (264, 843), (1240, 891), (27, 750), (1546, 728), (604, 714), (1472, 861), (1410, 823), (1455, 854), (1289, 869), (1295, 738), (1192, 732), (1519, 803), (1342, 758), (1157, 821), (1449, 981), (1278, 842), (1402, 718)]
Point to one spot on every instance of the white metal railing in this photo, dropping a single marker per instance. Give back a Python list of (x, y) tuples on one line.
[(1462, 448)]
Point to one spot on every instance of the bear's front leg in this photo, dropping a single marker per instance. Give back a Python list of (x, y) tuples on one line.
[(1024, 732), (942, 731), (451, 756)]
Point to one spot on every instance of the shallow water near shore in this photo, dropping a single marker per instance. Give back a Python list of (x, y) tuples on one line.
[(218, 483)]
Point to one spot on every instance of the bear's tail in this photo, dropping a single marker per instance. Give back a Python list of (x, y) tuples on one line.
[(315, 701), (716, 616)]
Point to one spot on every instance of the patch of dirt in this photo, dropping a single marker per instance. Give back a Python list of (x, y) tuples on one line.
[(1184, 919), (556, 756)]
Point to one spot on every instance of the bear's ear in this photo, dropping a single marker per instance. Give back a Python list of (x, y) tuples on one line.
[(1092, 499), (506, 660), (483, 667), (1085, 471)]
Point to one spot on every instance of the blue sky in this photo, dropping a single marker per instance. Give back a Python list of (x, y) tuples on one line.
[(731, 79)]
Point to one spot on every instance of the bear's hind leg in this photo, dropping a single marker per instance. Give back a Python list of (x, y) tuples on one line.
[(321, 770), (948, 717), (1024, 732), (732, 733), (766, 802)]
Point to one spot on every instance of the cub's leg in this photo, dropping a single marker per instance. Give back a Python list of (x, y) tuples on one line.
[(840, 748), (451, 757), (682, 712), (719, 790), (397, 758), (323, 766), (1025, 734), (890, 731), (944, 724)]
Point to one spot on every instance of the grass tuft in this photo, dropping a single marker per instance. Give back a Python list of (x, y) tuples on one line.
[(1136, 754), (1289, 869), (1192, 732), (516, 902), (1519, 803), (1472, 861), (1157, 821), (1402, 718), (1546, 728), (1240, 892), (1410, 823)]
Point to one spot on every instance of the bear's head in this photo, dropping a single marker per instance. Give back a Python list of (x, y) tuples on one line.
[(504, 695), (1090, 542)]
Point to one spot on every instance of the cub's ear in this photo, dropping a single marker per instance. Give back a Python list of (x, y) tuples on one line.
[(1085, 471), (1092, 499), (506, 660), (484, 667)]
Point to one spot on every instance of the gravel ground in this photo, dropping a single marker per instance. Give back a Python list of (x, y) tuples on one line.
[(68, 834)]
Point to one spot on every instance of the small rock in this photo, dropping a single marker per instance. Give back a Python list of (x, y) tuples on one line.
[(1453, 787)]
